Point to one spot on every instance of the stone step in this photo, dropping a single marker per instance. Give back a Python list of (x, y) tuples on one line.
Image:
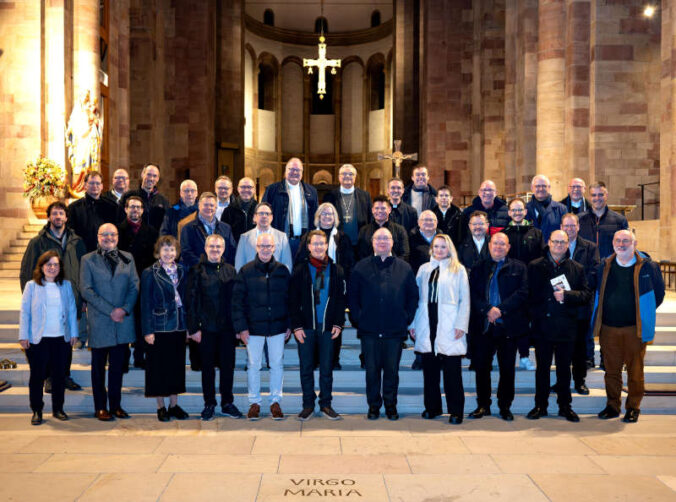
[(9, 316), (9, 274), (15, 249), (33, 228), (12, 256), (20, 242), (10, 264), (665, 336), (27, 235)]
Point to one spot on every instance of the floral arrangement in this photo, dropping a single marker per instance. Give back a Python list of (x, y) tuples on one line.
[(43, 178)]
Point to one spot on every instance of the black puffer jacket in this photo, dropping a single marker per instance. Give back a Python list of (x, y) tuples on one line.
[(525, 242), (260, 301), (497, 214), (87, 214), (209, 296)]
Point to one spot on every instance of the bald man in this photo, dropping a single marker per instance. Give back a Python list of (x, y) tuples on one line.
[(575, 202), (183, 208), (353, 204), (120, 186), (544, 212), (240, 212), (487, 201)]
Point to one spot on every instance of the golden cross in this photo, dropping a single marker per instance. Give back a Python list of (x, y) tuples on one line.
[(397, 157), (321, 63)]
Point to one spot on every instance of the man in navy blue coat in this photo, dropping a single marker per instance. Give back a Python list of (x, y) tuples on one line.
[(542, 210)]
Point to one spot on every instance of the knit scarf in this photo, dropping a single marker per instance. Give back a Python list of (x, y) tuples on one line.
[(172, 271), (320, 267)]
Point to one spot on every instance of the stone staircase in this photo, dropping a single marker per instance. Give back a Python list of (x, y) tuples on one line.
[(10, 260)]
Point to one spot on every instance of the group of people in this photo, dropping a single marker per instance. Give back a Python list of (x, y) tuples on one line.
[(217, 269)]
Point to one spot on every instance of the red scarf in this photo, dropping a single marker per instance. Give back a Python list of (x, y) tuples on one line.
[(134, 226)]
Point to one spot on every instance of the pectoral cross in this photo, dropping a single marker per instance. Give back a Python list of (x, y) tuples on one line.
[(321, 63), (397, 157)]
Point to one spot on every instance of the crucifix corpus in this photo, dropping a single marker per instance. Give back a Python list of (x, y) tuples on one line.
[(321, 63), (397, 157)]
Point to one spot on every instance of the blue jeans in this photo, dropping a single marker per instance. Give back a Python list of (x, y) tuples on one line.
[(306, 355), (254, 349)]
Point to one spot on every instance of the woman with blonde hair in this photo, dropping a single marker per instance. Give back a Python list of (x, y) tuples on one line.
[(440, 328)]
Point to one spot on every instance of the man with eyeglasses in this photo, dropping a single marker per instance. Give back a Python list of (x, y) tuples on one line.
[(544, 212), (110, 285), (155, 203), (353, 204), (488, 202), (240, 212), (246, 248), (223, 190), (557, 288), (575, 202), (293, 202), (475, 246), (87, 214), (419, 193), (600, 223), (629, 289), (119, 188), (182, 209), (402, 213), (383, 298), (420, 239), (138, 238), (260, 317)]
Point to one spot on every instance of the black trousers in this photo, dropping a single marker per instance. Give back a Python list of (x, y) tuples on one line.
[(523, 343), (217, 350), (485, 347), (306, 355), (563, 351), (115, 356), (381, 358), (432, 366), (51, 354), (580, 352)]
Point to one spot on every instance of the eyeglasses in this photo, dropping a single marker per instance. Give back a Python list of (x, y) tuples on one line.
[(622, 241), (108, 234), (487, 190), (381, 239), (558, 243), (135, 206), (326, 214), (264, 213), (265, 246), (246, 187), (51, 265)]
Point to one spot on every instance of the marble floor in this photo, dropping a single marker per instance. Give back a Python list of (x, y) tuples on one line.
[(411, 460)]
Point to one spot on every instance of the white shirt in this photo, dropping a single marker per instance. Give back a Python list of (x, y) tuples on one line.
[(296, 205), (417, 201), (53, 324), (221, 207), (479, 244)]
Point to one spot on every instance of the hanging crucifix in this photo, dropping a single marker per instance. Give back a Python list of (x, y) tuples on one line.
[(321, 63), (398, 157)]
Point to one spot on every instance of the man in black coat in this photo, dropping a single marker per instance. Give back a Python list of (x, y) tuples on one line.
[(419, 193), (185, 206), (449, 216), (381, 219), (488, 202), (586, 254), (475, 246), (137, 238), (209, 319), (240, 212), (154, 203), (420, 239), (317, 310), (402, 213), (557, 288), (87, 214), (352, 203), (383, 297), (600, 223), (119, 186), (576, 202), (499, 291)]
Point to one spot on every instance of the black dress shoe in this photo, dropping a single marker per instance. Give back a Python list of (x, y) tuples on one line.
[(391, 413), (553, 389), (569, 414), (120, 413), (60, 415), (429, 415), (36, 419), (177, 412), (72, 384), (455, 419), (163, 414), (608, 412), (631, 417), (582, 389), (374, 413), (505, 414), (536, 413), (480, 413), (337, 366)]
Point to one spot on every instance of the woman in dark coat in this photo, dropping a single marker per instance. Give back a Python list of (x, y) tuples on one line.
[(164, 328)]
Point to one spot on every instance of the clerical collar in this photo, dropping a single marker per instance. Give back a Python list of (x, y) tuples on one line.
[(346, 190)]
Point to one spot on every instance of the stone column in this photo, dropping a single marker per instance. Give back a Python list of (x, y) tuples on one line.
[(338, 115), (668, 132), (86, 57), (550, 94), (511, 37), (54, 83)]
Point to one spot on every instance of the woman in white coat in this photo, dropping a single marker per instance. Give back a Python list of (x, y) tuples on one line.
[(440, 328)]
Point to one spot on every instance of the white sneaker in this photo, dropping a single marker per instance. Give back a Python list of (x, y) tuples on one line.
[(526, 364)]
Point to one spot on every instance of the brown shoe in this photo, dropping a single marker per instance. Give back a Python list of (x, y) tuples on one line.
[(103, 415), (254, 412), (276, 412)]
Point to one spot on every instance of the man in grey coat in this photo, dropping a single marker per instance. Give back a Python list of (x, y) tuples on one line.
[(246, 249), (110, 285)]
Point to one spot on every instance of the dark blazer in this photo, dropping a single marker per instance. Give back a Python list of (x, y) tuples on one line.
[(159, 312), (193, 237), (362, 203), (87, 214), (429, 201), (497, 214), (601, 230), (405, 215), (420, 250), (513, 287), (209, 297), (451, 223), (469, 256), (154, 206), (110, 195), (552, 320), (277, 196), (173, 215), (550, 219), (260, 301), (400, 247), (141, 245), (344, 252), (586, 254), (525, 242), (302, 298), (383, 297), (240, 221), (576, 210)]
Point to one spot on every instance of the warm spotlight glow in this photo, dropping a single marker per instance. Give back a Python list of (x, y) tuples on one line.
[(649, 11)]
